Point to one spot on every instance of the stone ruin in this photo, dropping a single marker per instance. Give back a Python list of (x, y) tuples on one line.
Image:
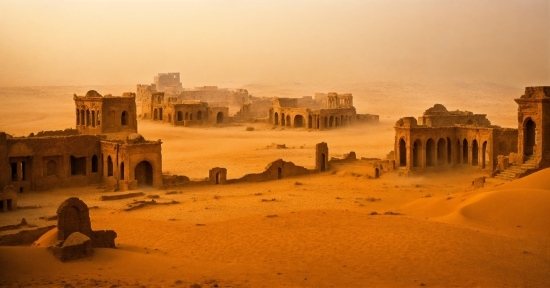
[(8, 199), (74, 232)]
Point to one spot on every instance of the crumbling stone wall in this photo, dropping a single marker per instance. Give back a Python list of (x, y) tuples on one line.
[(277, 169), (73, 216), (534, 125)]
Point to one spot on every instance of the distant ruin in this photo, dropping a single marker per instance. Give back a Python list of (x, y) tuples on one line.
[(106, 150), (446, 138)]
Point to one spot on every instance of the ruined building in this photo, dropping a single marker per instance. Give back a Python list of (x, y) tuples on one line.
[(167, 86), (320, 113), (182, 112), (105, 150), (441, 138)]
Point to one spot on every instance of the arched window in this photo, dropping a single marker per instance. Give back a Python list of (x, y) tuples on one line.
[(109, 166), (124, 118)]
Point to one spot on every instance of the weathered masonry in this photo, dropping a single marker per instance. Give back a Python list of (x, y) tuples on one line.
[(332, 111), (443, 138), (106, 150)]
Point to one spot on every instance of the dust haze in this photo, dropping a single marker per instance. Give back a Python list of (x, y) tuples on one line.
[(246, 202), (240, 42)]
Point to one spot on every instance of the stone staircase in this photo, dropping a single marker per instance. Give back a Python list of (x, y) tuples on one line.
[(517, 170)]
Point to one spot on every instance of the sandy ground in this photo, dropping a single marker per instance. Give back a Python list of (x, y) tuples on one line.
[(319, 231)]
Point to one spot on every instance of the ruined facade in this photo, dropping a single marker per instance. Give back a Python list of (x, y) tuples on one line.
[(334, 111), (96, 114), (443, 138), (106, 151), (534, 126), (182, 112)]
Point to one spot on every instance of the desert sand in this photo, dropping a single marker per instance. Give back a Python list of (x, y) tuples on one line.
[(319, 231)]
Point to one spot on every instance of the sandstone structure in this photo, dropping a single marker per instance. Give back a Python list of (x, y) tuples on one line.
[(320, 113), (73, 216), (217, 175), (76, 246), (534, 126), (106, 150), (443, 138)]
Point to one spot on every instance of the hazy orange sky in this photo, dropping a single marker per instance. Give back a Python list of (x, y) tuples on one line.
[(212, 42)]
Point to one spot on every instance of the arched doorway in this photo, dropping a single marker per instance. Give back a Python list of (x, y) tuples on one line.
[(402, 152), (298, 121), (475, 153), (144, 173), (219, 117), (160, 114), (441, 149), (417, 147), (155, 114), (124, 118), (529, 137), (180, 116), (323, 160), (465, 151), (218, 178), (430, 152), (276, 119)]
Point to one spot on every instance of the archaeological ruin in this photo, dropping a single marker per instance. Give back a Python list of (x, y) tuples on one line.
[(325, 111), (103, 149), (442, 138)]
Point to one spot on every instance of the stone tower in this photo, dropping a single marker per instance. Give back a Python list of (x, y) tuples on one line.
[(96, 114), (534, 125)]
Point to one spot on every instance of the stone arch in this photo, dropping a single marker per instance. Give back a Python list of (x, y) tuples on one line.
[(299, 121), (402, 152), (529, 136), (475, 153), (122, 171), (88, 120), (441, 151), (276, 118), (484, 157), (180, 116), (95, 165), (417, 147), (465, 151), (143, 173), (109, 166), (124, 118), (73, 215), (430, 152), (219, 117)]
